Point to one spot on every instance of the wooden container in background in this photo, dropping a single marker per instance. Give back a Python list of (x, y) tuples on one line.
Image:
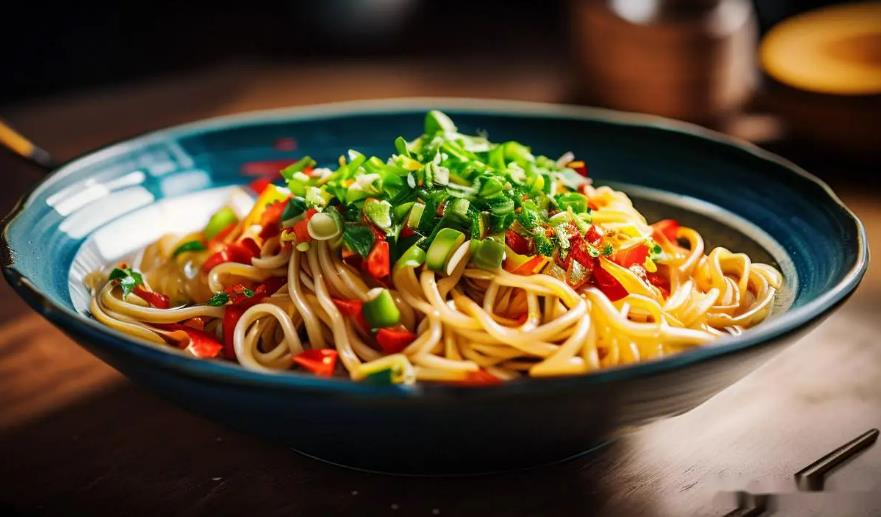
[(687, 59)]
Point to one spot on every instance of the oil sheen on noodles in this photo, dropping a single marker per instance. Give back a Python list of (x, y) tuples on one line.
[(460, 322)]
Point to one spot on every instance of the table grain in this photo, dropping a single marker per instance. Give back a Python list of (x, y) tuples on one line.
[(78, 438)]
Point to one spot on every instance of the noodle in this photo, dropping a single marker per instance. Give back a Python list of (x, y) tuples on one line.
[(294, 299)]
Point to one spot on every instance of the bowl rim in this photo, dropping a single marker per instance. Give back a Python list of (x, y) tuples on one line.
[(786, 323)]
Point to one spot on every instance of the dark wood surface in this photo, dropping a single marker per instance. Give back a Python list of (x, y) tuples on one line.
[(78, 438)]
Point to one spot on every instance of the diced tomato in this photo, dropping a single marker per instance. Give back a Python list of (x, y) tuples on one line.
[(608, 284), (593, 235), (631, 256), (518, 243), (158, 300), (669, 228), (377, 263), (271, 218), (394, 340), (479, 378), (522, 318), (321, 361)]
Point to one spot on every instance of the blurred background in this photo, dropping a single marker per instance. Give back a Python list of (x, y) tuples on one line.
[(799, 77), (815, 80)]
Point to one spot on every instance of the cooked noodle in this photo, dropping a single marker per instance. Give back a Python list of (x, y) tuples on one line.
[(467, 320)]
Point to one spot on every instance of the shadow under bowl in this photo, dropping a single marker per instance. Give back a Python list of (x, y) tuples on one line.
[(110, 202)]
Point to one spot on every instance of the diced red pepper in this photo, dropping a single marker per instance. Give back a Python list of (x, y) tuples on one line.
[(378, 261), (241, 252), (528, 267), (240, 303), (271, 218), (578, 250), (518, 243), (578, 166), (608, 284), (260, 184), (231, 316), (394, 340), (321, 362), (158, 300), (301, 227), (631, 256), (593, 236), (669, 228), (406, 231), (197, 323), (479, 378), (353, 309), (660, 281), (199, 343)]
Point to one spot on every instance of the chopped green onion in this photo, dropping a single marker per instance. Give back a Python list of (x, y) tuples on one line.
[(436, 121), (188, 247), (442, 247), (380, 310), (488, 254), (323, 226), (573, 200), (219, 221), (401, 146), (490, 187), (401, 211), (298, 166), (413, 257), (457, 210), (379, 212), (415, 215)]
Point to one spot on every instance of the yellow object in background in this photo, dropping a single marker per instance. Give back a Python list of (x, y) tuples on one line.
[(833, 50)]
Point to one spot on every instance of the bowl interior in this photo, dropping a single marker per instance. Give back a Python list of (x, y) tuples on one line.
[(108, 203)]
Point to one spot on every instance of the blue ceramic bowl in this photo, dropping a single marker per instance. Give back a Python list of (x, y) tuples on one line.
[(106, 204)]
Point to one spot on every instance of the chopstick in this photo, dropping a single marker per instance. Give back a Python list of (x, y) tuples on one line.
[(18, 144), (813, 477)]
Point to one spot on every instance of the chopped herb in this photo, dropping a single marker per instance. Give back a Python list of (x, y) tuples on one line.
[(220, 299), (127, 278), (358, 238)]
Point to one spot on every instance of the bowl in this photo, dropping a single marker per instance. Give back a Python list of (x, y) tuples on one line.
[(107, 203)]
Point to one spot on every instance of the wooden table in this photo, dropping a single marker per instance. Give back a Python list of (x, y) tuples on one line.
[(78, 438)]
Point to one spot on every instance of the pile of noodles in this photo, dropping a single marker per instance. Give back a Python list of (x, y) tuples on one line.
[(464, 317)]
